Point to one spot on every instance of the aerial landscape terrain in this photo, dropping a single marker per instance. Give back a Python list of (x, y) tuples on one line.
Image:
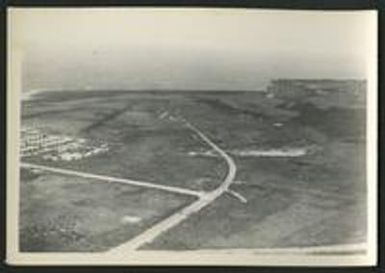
[(117, 170)]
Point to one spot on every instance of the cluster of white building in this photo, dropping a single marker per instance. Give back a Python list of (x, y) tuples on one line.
[(69, 155), (56, 147), (34, 141)]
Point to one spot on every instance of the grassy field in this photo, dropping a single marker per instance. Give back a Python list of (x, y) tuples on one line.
[(65, 213), (272, 217), (315, 199), (142, 146)]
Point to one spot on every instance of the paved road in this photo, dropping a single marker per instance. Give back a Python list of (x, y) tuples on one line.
[(112, 179), (150, 234)]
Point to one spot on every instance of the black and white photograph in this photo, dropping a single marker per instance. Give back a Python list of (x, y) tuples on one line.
[(191, 136)]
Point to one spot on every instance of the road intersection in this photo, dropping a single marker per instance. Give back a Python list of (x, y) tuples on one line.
[(204, 198), (161, 227)]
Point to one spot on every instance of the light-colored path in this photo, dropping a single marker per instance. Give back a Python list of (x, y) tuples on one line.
[(237, 195), (112, 179), (150, 234)]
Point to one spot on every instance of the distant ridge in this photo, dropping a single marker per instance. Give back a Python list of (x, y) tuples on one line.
[(27, 94)]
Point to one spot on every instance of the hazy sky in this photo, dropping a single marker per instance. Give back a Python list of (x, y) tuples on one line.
[(187, 49)]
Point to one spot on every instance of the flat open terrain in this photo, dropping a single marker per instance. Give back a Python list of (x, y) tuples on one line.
[(310, 199), (272, 217), (142, 145), (66, 213)]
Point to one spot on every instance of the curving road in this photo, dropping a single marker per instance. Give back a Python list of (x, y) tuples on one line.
[(150, 234)]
